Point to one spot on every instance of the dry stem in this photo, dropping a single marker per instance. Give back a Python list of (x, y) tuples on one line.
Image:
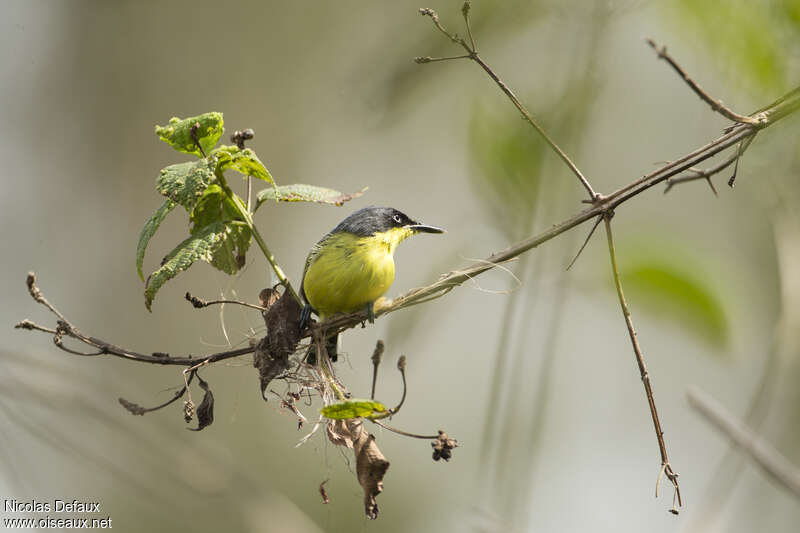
[(666, 468)]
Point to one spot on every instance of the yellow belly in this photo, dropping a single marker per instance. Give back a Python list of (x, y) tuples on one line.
[(348, 273)]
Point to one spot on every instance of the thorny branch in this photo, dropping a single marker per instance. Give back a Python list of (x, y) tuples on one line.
[(666, 468)]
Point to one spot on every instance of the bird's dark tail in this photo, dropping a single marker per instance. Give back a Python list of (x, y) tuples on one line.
[(331, 346)]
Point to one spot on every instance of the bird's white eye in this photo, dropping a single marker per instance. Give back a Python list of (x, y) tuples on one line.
[(397, 219)]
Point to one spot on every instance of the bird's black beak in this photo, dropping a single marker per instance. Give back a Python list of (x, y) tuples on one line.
[(424, 228)]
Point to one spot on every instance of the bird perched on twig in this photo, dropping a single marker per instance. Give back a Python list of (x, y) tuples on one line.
[(353, 265)]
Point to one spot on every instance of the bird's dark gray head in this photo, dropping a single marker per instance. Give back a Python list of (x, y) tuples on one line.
[(371, 220)]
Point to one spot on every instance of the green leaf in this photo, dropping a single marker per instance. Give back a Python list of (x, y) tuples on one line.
[(243, 161), (212, 206), (212, 244), (184, 183), (353, 409), (300, 192), (680, 295), (215, 206), (149, 229), (178, 133)]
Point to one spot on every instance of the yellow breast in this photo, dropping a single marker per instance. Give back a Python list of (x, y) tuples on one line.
[(348, 272)]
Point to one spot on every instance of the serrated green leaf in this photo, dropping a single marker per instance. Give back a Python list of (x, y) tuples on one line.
[(678, 295), (215, 206), (230, 256), (184, 183), (212, 206), (300, 192), (245, 161), (178, 133), (353, 409), (149, 229), (216, 244)]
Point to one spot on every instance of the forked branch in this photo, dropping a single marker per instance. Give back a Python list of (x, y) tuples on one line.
[(472, 53)]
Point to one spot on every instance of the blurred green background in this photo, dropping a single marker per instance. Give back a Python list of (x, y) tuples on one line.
[(537, 382)]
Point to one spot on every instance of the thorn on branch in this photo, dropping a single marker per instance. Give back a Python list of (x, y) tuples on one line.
[(588, 237)]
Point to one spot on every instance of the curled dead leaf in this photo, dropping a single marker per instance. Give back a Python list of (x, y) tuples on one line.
[(282, 318), (371, 464)]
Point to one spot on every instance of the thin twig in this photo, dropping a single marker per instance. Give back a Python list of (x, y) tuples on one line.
[(401, 432), (716, 105), (401, 366), (66, 328), (199, 303), (376, 361), (428, 59), (706, 174), (665, 465), (472, 54), (768, 459)]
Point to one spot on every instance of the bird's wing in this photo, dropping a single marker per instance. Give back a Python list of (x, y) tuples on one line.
[(312, 256)]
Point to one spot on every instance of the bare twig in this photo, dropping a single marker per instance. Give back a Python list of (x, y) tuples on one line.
[(376, 361), (706, 174), (199, 303), (666, 468), (716, 105), (401, 366), (768, 459), (66, 328), (401, 432), (472, 54)]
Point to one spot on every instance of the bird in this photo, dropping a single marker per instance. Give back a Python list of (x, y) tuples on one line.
[(353, 265)]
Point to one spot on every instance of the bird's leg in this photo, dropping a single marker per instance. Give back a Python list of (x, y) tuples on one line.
[(305, 313), (371, 312)]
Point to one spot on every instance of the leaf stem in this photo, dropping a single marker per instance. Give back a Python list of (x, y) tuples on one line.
[(247, 217)]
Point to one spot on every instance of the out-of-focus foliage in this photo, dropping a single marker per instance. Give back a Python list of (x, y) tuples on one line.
[(673, 292), (757, 41), (508, 158)]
